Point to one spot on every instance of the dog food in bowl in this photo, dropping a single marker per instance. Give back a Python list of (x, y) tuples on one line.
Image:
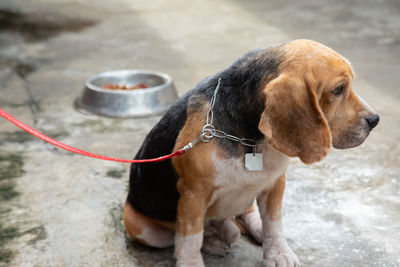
[(125, 87), (110, 94)]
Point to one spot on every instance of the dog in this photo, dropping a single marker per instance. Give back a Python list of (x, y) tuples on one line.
[(291, 100)]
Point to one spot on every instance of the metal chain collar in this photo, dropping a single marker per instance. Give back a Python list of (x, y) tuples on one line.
[(208, 131)]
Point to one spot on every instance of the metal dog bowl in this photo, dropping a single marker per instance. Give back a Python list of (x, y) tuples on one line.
[(127, 103)]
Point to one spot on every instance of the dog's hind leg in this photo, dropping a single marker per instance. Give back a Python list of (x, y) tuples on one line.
[(219, 235), (146, 230)]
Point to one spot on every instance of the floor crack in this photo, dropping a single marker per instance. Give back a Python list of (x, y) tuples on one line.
[(35, 109), (33, 105)]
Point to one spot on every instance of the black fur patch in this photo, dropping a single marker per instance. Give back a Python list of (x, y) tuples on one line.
[(239, 104), (152, 186)]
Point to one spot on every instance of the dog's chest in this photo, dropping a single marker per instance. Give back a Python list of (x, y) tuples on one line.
[(236, 187)]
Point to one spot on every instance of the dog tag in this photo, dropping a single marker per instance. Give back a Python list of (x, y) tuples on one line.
[(253, 161)]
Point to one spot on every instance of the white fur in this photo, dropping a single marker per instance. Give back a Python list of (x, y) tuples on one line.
[(157, 237), (187, 250), (252, 223), (271, 228), (237, 187), (276, 250)]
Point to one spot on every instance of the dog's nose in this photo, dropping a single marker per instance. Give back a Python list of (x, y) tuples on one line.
[(373, 121)]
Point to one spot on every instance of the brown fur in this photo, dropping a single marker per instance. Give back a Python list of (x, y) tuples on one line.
[(298, 127), (196, 173), (274, 198), (135, 224), (312, 117)]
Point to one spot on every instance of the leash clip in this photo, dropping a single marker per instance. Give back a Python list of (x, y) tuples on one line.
[(192, 144)]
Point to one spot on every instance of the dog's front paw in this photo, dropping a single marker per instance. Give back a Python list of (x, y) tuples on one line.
[(284, 259), (278, 253), (189, 260)]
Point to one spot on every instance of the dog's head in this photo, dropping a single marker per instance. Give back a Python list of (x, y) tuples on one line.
[(310, 105)]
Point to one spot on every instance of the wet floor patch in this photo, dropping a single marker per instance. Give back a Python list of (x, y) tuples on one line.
[(36, 234), (11, 167), (102, 126), (115, 173), (15, 137), (21, 137), (36, 27), (116, 214), (6, 234), (18, 105), (23, 68), (7, 191)]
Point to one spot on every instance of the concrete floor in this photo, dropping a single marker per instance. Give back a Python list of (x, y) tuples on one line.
[(59, 209)]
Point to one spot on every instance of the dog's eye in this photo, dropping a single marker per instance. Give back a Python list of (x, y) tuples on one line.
[(338, 90)]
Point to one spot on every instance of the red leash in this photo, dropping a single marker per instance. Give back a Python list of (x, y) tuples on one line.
[(81, 152)]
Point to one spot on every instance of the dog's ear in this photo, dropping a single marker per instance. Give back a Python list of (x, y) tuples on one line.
[(293, 122)]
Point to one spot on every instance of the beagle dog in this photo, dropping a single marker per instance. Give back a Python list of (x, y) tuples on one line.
[(292, 100)]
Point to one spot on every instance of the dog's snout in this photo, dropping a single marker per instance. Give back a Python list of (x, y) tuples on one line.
[(373, 121)]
